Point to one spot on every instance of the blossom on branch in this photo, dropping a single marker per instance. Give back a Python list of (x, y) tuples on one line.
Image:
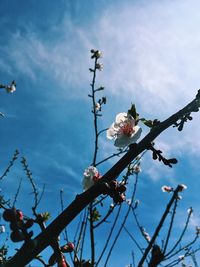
[(124, 130), (97, 107), (11, 88), (167, 189), (96, 53), (99, 66), (91, 176), (137, 169)]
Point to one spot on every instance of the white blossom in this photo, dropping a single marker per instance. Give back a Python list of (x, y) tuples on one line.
[(91, 175), (99, 54), (137, 169), (179, 197), (146, 235), (97, 106), (166, 188), (128, 201), (190, 211), (112, 206), (11, 88), (124, 131), (99, 66)]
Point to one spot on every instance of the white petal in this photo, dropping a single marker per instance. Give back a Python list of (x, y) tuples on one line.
[(121, 117), (136, 135), (111, 132), (122, 141), (87, 183)]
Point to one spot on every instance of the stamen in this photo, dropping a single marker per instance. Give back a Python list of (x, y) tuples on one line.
[(127, 129)]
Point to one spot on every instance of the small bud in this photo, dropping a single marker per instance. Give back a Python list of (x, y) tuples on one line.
[(17, 236), (104, 100), (9, 215), (113, 184), (190, 211), (121, 188), (69, 247), (99, 66), (19, 215), (97, 107), (119, 198)]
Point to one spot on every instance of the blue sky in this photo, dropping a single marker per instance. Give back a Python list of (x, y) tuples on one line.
[(151, 52)]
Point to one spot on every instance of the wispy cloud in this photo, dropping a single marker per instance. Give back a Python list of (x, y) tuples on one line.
[(150, 56)]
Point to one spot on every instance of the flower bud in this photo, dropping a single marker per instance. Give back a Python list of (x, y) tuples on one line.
[(17, 236), (9, 215), (69, 247)]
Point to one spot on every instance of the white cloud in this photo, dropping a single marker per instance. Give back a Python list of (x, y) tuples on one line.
[(64, 59), (151, 53)]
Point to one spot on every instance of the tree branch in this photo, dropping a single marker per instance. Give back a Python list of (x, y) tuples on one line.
[(27, 252)]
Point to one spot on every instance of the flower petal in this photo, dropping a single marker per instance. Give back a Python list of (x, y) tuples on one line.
[(121, 117), (136, 134), (111, 132), (124, 140)]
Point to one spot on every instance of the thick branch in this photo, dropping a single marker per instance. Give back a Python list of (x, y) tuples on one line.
[(27, 253)]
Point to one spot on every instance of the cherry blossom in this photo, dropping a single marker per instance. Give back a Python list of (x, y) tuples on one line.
[(166, 188), (91, 176), (124, 130), (137, 169), (97, 106), (11, 88)]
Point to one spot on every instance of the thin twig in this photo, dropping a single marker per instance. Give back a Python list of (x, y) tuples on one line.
[(123, 222), (17, 193), (35, 191), (181, 236), (158, 228), (133, 239), (112, 156), (105, 217), (81, 231), (83, 240), (14, 158), (171, 224), (110, 234), (92, 244)]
